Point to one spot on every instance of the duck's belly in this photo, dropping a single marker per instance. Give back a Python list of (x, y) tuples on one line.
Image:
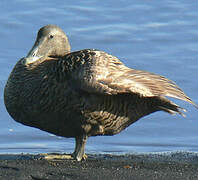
[(56, 117)]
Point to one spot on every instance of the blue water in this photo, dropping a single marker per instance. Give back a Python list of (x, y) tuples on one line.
[(156, 36)]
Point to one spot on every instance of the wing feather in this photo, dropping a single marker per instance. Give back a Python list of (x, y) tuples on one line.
[(106, 74)]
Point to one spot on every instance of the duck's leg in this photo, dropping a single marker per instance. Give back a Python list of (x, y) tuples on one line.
[(79, 153)]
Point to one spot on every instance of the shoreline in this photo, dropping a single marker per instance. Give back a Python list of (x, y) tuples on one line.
[(178, 165)]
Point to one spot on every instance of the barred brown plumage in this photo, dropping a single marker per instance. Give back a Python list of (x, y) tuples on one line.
[(83, 93)]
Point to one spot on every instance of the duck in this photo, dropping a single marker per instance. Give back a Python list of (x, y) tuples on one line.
[(83, 93)]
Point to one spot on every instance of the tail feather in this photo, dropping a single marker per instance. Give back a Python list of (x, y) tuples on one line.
[(171, 111), (170, 107)]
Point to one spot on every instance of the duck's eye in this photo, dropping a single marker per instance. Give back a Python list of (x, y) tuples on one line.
[(51, 36)]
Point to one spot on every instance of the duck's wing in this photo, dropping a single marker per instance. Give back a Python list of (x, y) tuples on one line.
[(104, 73)]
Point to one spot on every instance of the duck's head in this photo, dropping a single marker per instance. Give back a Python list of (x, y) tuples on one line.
[(51, 41)]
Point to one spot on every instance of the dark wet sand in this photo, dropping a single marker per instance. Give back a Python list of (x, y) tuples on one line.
[(151, 166)]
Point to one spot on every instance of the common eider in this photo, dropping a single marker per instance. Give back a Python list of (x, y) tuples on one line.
[(83, 93)]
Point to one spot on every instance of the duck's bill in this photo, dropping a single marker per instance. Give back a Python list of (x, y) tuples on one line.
[(32, 55), (30, 60)]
